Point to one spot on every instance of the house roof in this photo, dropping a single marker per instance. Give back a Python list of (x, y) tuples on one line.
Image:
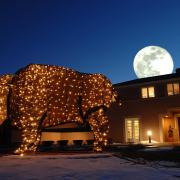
[(150, 79)]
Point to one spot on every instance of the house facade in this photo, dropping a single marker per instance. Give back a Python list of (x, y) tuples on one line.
[(147, 108)]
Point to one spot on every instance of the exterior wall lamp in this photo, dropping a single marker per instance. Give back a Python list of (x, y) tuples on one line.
[(149, 133)]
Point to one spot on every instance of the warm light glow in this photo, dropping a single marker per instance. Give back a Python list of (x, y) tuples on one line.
[(44, 95), (151, 91), (4, 90), (147, 92), (173, 89), (144, 92), (149, 133), (132, 130)]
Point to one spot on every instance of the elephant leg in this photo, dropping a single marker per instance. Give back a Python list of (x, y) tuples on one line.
[(99, 124), (31, 134), (30, 139), (37, 138)]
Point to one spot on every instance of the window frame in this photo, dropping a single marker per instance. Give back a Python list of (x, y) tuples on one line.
[(133, 132), (174, 92), (148, 94)]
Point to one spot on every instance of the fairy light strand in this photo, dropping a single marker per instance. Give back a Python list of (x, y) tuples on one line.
[(45, 95)]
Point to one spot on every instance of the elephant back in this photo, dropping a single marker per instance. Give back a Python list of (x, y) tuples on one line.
[(97, 91)]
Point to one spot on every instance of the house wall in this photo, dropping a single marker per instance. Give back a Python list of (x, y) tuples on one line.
[(150, 111)]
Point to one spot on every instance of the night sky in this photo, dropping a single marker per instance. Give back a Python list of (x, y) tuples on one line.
[(86, 35)]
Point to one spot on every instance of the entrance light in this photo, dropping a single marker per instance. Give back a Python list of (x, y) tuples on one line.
[(149, 133)]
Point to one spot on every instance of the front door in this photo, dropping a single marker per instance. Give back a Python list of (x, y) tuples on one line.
[(132, 130), (170, 129)]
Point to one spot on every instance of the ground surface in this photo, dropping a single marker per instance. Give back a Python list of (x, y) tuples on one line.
[(83, 166)]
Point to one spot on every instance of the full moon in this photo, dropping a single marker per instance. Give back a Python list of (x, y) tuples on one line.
[(153, 61)]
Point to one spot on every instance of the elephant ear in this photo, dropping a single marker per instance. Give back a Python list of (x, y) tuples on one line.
[(5, 81)]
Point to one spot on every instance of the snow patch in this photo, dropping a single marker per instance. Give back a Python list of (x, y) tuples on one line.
[(80, 166)]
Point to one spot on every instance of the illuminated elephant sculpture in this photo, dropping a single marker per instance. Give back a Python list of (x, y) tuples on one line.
[(42, 96)]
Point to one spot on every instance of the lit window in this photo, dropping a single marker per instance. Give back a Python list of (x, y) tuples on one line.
[(172, 89), (148, 92), (151, 91), (144, 92), (132, 130)]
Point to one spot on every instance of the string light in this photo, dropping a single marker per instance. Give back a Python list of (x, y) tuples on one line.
[(4, 91), (42, 96)]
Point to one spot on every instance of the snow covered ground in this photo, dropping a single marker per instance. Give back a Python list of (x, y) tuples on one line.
[(82, 166)]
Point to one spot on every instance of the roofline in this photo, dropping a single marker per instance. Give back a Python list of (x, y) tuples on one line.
[(149, 80)]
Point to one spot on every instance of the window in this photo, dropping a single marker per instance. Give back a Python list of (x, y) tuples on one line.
[(172, 89), (132, 130), (147, 92)]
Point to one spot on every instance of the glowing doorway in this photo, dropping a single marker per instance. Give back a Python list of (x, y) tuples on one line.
[(132, 130), (170, 126)]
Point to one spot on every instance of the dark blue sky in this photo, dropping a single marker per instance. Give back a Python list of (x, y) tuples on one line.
[(86, 35)]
